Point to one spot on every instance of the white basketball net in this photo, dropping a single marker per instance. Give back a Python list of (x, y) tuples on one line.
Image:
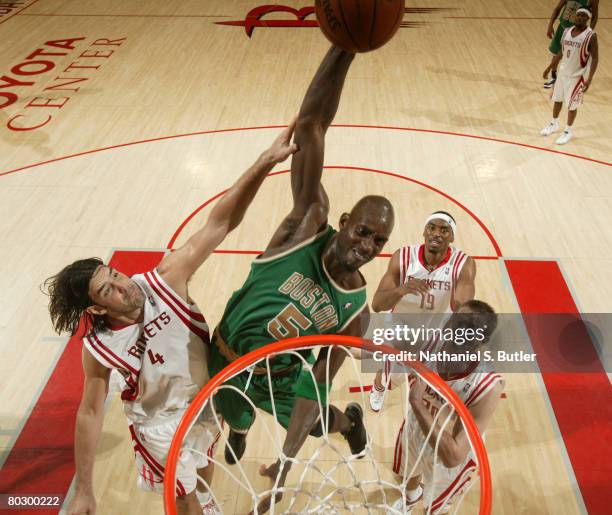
[(325, 477)]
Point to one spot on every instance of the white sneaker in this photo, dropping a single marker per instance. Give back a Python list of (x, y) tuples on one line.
[(377, 399), (407, 507), (564, 138), (553, 126), (209, 506)]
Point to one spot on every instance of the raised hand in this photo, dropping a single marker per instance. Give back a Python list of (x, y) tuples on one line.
[(415, 287), (282, 147)]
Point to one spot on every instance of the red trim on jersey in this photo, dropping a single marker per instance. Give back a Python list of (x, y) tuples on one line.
[(488, 380), (577, 90), (139, 448), (455, 275), (178, 301), (211, 449), (100, 354), (397, 456), (453, 488), (126, 366), (194, 328), (446, 259), (152, 462), (457, 266), (584, 50), (109, 356)]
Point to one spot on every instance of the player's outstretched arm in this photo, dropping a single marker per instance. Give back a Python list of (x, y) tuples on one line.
[(229, 211), (454, 446), (390, 290), (90, 417), (466, 288), (310, 203)]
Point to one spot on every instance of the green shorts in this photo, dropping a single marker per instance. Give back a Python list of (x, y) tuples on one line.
[(239, 413), (555, 45)]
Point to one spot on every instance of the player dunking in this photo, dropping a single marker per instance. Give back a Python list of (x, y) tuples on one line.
[(306, 282), (428, 279), (480, 390), (147, 328)]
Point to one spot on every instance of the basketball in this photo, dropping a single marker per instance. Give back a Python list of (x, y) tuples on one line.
[(359, 26)]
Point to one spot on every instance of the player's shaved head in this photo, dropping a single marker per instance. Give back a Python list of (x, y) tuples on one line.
[(363, 232), (374, 206)]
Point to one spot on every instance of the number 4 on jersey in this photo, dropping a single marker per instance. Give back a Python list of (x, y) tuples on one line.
[(157, 358)]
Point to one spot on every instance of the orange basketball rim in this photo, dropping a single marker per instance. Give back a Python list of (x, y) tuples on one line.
[(249, 359)]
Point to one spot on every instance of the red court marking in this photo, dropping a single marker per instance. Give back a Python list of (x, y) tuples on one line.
[(383, 255), (384, 127), (582, 402), (42, 459), (357, 169), (17, 12), (131, 15)]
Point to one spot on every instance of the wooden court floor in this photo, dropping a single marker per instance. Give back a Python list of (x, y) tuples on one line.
[(118, 120)]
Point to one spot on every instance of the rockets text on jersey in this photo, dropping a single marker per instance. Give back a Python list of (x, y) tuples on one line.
[(163, 359)]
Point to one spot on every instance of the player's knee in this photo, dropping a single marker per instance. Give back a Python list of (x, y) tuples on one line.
[(317, 430)]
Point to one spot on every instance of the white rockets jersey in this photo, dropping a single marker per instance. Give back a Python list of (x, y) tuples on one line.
[(163, 359), (471, 389), (442, 281), (576, 60)]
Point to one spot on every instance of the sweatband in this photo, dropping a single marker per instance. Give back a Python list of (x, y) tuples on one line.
[(585, 11), (445, 218)]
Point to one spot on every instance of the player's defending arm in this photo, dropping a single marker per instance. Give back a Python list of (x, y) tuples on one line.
[(390, 291), (310, 203), (466, 289), (594, 4), (454, 445), (594, 50), (550, 31), (180, 265), (89, 421)]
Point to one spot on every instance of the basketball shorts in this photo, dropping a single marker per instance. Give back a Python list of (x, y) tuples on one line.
[(278, 396), (441, 485), (555, 44), (151, 446), (569, 91)]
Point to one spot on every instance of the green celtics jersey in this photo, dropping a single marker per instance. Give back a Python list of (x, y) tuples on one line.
[(287, 295), (566, 18)]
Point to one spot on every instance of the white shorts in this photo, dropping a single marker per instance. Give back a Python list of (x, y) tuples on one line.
[(448, 484), (151, 447), (569, 91)]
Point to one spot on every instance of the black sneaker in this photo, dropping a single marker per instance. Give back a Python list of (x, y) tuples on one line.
[(550, 83), (237, 441), (356, 436)]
